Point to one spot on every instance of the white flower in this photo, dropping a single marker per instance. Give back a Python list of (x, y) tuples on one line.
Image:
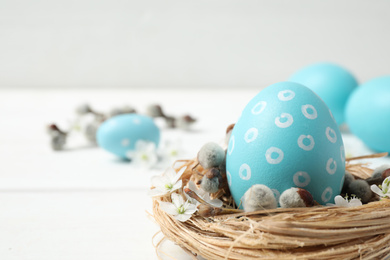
[(341, 202), (167, 182), (179, 209), (170, 151), (203, 195), (144, 154), (81, 122), (383, 190)]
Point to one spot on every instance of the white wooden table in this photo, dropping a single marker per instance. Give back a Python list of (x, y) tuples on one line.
[(83, 203)]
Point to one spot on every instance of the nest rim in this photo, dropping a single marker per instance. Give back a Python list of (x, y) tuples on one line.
[(319, 232)]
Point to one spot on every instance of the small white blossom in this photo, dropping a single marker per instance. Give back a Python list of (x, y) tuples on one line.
[(144, 154), (383, 190), (341, 202), (170, 151), (167, 182), (203, 195), (179, 209)]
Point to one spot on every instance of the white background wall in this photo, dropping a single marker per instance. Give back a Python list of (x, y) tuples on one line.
[(166, 43)]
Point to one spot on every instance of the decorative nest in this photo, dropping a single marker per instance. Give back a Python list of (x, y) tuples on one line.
[(295, 233)]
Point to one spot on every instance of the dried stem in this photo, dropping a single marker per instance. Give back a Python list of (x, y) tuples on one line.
[(377, 155)]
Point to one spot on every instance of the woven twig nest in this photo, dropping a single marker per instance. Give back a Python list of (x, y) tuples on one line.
[(296, 233)]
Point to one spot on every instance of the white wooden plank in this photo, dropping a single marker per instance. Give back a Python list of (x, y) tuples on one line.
[(76, 225)]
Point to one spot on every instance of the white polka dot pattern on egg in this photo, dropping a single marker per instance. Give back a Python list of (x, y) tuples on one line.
[(342, 153), (331, 135), (303, 175), (308, 147), (327, 194), (231, 145), (229, 177), (259, 107), (125, 142), (136, 121), (286, 95), (305, 112), (270, 151), (245, 172), (113, 122), (251, 135), (328, 164), (285, 124)]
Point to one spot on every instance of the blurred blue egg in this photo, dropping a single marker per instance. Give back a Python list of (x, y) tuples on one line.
[(368, 113), (286, 137), (331, 82), (119, 134)]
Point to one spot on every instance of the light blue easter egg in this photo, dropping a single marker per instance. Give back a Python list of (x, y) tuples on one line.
[(286, 137), (119, 134), (331, 82), (368, 113)]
